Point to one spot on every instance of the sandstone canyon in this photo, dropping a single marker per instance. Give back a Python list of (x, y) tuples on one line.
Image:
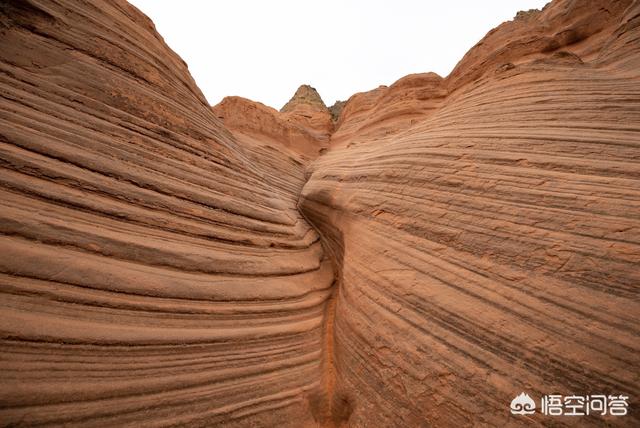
[(416, 256)]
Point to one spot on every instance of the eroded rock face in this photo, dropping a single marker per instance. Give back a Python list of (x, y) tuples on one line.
[(493, 246), (581, 27), (386, 111), (464, 239), (336, 110), (154, 271), (306, 97), (304, 128)]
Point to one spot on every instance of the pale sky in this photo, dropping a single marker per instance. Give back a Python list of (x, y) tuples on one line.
[(264, 50)]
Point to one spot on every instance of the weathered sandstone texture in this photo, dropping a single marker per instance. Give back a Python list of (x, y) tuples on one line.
[(304, 125), (486, 227), (458, 241), (153, 271)]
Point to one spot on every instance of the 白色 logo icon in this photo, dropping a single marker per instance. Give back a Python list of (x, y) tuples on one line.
[(523, 405)]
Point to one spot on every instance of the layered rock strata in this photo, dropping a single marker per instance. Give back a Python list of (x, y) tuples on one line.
[(460, 240), (492, 246), (153, 269)]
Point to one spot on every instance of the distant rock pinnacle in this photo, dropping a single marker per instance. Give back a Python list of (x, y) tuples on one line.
[(305, 95)]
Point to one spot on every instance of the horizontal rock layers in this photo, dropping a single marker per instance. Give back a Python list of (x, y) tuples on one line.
[(460, 240), (153, 270), (492, 246)]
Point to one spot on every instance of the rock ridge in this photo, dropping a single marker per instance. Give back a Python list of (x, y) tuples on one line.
[(304, 125)]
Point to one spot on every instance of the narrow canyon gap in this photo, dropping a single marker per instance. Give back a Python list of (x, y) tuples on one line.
[(416, 256)]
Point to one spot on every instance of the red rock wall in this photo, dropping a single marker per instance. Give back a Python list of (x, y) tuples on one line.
[(153, 271), (492, 247)]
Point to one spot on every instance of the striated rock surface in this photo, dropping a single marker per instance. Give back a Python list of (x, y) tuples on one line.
[(493, 246), (461, 240), (584, 28), (154, 271), (384, 111)]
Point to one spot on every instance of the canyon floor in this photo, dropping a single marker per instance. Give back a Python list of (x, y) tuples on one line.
[(415, 256)]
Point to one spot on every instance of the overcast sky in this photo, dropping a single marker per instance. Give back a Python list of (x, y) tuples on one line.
[(264, 50)]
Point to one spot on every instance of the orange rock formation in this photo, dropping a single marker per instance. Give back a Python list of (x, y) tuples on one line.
[(304, 125), (441, 247)]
